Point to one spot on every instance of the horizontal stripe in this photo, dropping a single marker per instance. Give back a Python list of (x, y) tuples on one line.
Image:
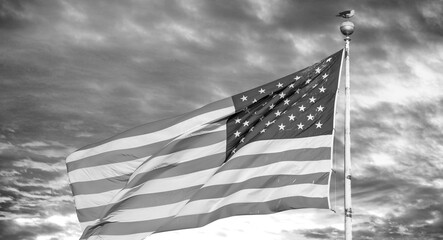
[(172, 170), (121, 230), (139, 152), (255, 195), (154, 186), (180, 148), (283, 168), (176, 158), (104, 171), (140, 201), (205, 163), (273, 181), (156, 199), (281, 145), (161, 135), (256, 208), (260, 159), (236, 176), (98, 186), (94, 200), (116, 156)]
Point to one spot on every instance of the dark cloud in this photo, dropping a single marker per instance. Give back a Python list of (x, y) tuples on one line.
[(73, 73), (11, 230)]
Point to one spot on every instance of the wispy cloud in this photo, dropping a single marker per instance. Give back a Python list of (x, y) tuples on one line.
[(73, 73)]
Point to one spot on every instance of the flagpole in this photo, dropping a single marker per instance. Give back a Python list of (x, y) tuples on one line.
[(347, 28)]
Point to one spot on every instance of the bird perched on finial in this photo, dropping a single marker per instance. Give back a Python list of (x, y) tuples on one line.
[(346, 14)]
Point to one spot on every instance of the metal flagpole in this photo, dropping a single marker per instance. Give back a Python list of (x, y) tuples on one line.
[(347, 28)]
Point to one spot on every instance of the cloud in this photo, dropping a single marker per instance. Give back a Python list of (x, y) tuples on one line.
[(73, 73)]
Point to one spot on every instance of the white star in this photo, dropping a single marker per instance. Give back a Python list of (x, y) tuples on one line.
[(261, 91), (322, 89), (237, 120), (263, 130), (298, 90), (282, 95), (252, 129), (315, 85), (300, 126), (296, 78), (291, 85), (278, 113), (254, 101), (308, 81), (329, 59), (312, 99), (246, 123), (272, 106), (320, 108), (317, 70), (242, 140), (286, 102), (237, 134), (304, 95), (281, 127), (318, 124), (302, 108), (310, 117), (234, 150), (244, 98), (325, 76), (268, 123), (279, 85), (291, 117)]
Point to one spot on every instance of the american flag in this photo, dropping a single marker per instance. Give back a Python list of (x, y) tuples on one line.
[(265, 150)]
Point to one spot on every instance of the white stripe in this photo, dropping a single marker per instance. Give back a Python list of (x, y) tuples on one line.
[(228, 177), (152, 186), (279, 168), (180, 157), (120, 237), (105, 171), (202, 130), (94, 200), (145, 214), (281, 145), (209, 205), (254, 196), (146, 139), (118, 169)]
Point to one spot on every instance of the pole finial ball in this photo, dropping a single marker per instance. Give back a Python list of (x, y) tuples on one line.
[(347, 28)]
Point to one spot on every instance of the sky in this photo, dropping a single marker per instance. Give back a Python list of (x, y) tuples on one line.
[(76, 72)]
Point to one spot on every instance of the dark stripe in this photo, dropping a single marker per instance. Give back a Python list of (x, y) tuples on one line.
[(139, 201), (212, 161), (199, 164), (274, 181), (262, 159), (165, 123), (117, 156), (217, 191), (236, 209), (199, 220), (119, 182), (99, 186), (166, 147)]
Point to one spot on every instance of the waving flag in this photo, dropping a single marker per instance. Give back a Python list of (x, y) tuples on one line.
[(262, 151)]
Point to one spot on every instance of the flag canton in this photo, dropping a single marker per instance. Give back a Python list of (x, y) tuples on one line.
[(298, 105)]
